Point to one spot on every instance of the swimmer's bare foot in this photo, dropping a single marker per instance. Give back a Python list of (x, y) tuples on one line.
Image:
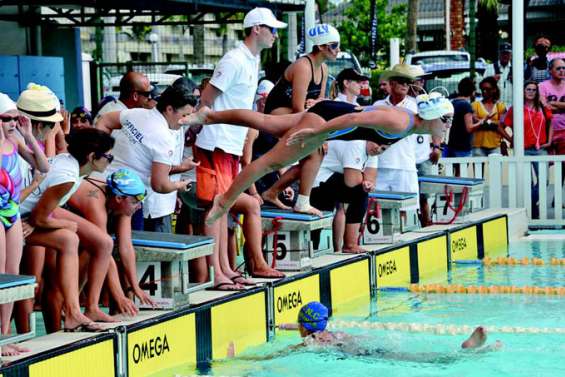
[(266, 272), (273, 198), (97, 315), (19, 348), (476, 340), (301, 136), (198, 118), (308, 210), (9, 350), (217, 210), (353, 249)]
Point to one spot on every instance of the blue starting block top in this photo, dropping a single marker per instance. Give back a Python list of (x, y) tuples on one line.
[(168, 240), (272, 212), (10, 281), (392, 195), (450, 180)]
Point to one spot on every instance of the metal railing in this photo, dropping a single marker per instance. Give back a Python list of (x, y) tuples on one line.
[(511, 182)]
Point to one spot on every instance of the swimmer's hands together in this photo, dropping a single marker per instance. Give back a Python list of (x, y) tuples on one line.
[(198, 118), (301, 137), (144, 297), (126, 306)]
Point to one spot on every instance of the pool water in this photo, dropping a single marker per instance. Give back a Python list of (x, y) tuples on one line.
[(427, 354)]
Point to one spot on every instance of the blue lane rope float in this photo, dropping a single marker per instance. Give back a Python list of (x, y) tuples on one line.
[(393, 289)]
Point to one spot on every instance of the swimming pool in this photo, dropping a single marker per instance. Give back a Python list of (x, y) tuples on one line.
[(522, 354)]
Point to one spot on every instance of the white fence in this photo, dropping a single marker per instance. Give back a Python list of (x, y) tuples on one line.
[(511, 183)]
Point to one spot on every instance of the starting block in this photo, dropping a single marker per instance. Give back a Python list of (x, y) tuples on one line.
[(384, 220), (15, 288), (455, 197), (162, 265), (299, 238)]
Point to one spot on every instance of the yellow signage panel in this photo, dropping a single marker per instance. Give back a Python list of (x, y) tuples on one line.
[(463, 244), (96, 360), (241, 322), (289, 298), (349, 283), (495, 236), (432, 258), (161, 346), (393, 268)]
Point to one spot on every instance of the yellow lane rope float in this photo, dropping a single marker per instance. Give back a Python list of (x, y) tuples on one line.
[(471, 289), (511, 261), (441, 329)]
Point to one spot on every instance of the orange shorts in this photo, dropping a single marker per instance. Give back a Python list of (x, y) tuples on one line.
[(215, 173)]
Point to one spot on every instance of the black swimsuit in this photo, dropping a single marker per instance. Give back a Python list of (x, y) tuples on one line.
[(281, 94), (329, 110)]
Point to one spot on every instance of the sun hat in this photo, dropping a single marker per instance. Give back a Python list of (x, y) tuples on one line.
[(262, 16), (6, 104), (39, 103), (124, 182), (322, 34), (400, 70), (263, 89), (433, 106), (313, 316)]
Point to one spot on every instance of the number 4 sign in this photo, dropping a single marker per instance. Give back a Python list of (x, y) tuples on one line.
[(150, 280)]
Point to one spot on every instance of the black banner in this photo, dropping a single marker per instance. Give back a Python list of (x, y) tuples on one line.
[(373, 57)]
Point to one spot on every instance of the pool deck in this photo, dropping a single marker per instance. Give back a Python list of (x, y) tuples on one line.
[(156, 340)]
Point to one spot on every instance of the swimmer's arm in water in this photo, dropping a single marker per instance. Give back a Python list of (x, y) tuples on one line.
[(288, 326), (282, 353), (391, 120)]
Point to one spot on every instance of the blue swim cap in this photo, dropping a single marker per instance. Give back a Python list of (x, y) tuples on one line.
[(313, 316), (124, 182)]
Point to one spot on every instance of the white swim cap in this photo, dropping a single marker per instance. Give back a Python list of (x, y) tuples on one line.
[(322, 34), (433, 106), (6, 104)]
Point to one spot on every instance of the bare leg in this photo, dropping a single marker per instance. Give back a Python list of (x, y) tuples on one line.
[(276, 125), (281, 155), (308, 171), (32, 264), (251, 211), (52, 299), (338, 227), (350, 239), (272, 194)]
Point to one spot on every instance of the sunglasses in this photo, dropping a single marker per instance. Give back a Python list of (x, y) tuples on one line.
[(333, 46), (138, 197), (79, 116), (560, 68), (403, 81), (447, 119), (273, 30), (107, 156), (144, 94), (8, 119)]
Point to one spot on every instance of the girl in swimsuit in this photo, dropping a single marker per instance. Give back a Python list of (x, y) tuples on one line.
[(302, 85), (11, 183), (300, 134)]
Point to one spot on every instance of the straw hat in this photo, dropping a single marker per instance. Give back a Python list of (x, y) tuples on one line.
[(399, 70), (39, 104)]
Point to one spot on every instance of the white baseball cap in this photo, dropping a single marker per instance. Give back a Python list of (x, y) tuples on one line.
[(6, 104), (262, 16), (322, 34)]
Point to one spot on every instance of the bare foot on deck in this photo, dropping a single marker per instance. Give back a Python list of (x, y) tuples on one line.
[(9, 350), (273, 198), (98, 315), (217, 210), (20, 349), (353, 249), (198, 118), (266, 272), (476, 340)]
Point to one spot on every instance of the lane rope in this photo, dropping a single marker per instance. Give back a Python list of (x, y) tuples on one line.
[(471, 289), (511, 261)]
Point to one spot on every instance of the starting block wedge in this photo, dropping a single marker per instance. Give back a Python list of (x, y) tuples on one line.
[(162, 265), (454, 197), (15, 288), (296, 238), (389, 213)]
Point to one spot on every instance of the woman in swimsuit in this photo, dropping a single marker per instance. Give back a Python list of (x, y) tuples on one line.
[(300, 134), (302, 85)]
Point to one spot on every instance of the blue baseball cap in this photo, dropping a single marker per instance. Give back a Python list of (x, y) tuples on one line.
[(313, 316)]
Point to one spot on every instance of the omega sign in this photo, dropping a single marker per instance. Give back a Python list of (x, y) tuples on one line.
[(289, 301), (458, 244), (387, 268), (155, 347)]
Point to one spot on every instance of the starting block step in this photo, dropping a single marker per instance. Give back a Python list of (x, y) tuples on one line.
[(15, 288), (454, 197), (299, 237), (389, 213), (162, 265)]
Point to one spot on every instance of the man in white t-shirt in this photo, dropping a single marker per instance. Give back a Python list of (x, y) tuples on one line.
[(340, 180), (219, 146), (147, 142), (135, 92)]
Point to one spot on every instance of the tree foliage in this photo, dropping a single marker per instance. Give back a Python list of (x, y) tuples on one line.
[(355, 30)]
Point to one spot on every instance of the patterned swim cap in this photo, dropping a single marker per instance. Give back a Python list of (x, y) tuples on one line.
[(313, 316), (124, 182), (433, 106), (322, 34)]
